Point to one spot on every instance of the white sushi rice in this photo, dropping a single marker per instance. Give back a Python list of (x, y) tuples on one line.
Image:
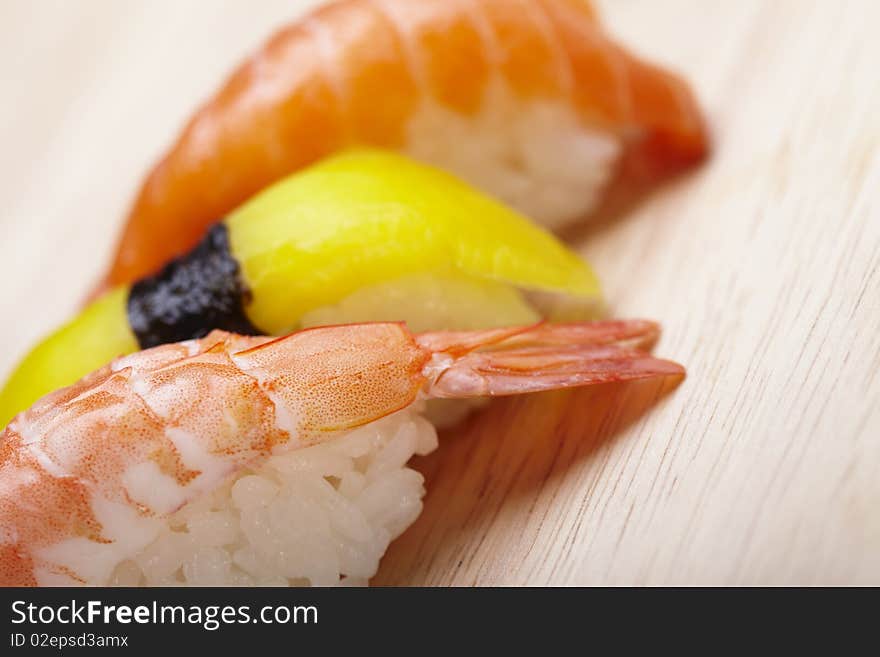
[(537, 156), (429, 302), (319, 516)]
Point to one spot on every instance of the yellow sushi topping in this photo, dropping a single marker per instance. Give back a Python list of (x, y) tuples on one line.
[(365, 235), (96, 336), (365, 217)]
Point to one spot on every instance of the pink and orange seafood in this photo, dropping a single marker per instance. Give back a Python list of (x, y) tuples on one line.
[(528, 100), (92, 474)]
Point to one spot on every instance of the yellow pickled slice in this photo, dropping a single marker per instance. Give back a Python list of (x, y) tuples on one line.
[(363, 236), (94, 338), (365, 217)]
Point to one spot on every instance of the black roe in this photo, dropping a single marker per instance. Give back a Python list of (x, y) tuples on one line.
[(192, 295)]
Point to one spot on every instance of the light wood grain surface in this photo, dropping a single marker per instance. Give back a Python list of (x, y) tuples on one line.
[(764, 267)]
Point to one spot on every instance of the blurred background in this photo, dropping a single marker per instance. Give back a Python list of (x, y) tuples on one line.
[(764, 267)]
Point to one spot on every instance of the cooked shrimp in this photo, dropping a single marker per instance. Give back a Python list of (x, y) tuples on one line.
[(527, 99), (88, 474)]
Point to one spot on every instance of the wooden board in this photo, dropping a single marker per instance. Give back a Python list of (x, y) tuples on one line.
[(764, 267)]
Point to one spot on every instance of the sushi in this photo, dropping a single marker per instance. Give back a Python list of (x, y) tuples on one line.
[(364, 235), (240, 460), (212, 453), (528, 100)]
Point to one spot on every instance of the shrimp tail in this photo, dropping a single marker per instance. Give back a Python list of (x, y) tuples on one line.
[(545, 357)]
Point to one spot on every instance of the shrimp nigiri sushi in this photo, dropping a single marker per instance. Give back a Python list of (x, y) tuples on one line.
[(235, 460), (528, 100)]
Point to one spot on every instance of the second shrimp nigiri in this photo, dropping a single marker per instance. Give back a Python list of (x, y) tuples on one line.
[(253, 460), (527, 99)]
